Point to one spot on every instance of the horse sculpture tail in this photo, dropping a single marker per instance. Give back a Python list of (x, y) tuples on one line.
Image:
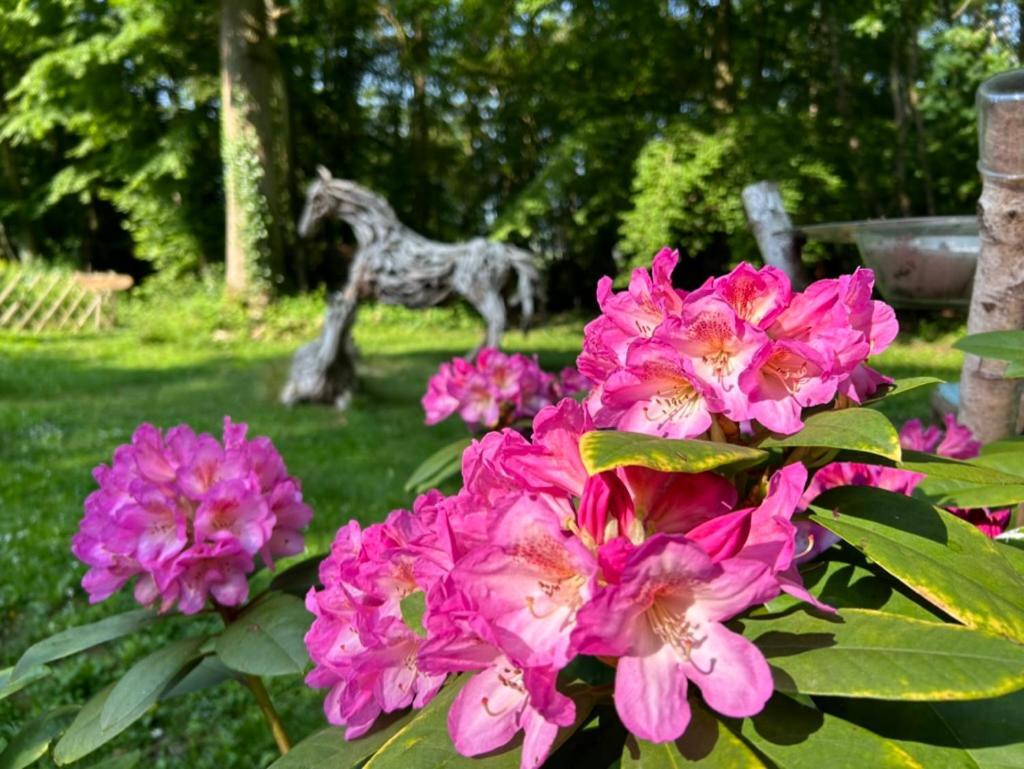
[(527, 279)]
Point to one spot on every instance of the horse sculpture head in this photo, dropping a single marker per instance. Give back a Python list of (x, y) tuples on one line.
[(342, 199)]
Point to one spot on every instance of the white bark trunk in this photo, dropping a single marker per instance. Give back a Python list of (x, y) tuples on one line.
[(989, 403)]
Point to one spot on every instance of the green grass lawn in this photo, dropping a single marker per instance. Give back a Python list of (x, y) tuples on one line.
[(65, 403)]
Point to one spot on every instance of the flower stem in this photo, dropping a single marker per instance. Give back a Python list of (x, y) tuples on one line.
[(259, 691)]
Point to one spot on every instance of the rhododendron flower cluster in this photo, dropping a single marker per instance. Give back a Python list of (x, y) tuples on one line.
[(187, 515), (496, 389), (744, 347), (535, 562), (955, 441)]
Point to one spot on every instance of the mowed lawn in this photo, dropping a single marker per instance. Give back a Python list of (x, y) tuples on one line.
[(66, 403)]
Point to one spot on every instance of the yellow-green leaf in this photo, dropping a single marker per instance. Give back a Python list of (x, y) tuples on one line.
[(606, 450), (854, 429)]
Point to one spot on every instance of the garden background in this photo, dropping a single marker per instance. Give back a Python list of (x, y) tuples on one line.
[(591, 132)]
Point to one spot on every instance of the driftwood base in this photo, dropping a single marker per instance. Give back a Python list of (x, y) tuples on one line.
[(324, 370)]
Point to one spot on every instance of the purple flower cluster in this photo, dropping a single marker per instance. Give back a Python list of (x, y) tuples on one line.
[(187, 514), (495, 390)]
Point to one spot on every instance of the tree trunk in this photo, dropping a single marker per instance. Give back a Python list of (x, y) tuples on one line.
[(988, 402), (254, 213)]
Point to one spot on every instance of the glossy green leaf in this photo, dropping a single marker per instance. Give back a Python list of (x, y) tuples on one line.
[(142, 685), (1006, 455), (9, 687), (794, 736), (438, 467), (706, 744), (956, 473), (80, 638), (998, 345), (424, 742), (846, 585), (863, 653), (940, 557), (855, 429), (86, 734), (905, 385), (31, 743), (266, 639), (985, 734), (328, 748), (606, 450), (208, 673), (980, 496), (298, 578)]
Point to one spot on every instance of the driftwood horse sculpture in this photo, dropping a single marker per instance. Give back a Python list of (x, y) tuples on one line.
[(396, 265)]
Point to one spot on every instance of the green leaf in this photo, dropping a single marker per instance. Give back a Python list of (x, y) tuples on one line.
[(86, 734), (856, 429), (266, 639), (980, 496), (902, 386), (142, 685), (424, 741), (985, 734), (940, 557), (863, 653), (855, 586), (32, 742), (124, 761), (413, 607), (208, 673), (299, 578), (328, 748), (80, 638), (1007, 456), (999, 345), (945, 473), (438, 467), (794, 736), (706, 743), (8, 687), (606, 450)]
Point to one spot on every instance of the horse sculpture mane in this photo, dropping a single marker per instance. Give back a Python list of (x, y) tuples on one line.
[(397, 265)]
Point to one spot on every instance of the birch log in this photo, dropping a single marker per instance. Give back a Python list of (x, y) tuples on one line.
[(989, 404), (773, 230)]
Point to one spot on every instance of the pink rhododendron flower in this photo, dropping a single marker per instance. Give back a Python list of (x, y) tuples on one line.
[(495, 390), (534, 562), (663, 621), (187, 515), (744, 346)]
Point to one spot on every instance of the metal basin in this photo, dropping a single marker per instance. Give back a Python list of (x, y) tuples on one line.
[(922, 262)]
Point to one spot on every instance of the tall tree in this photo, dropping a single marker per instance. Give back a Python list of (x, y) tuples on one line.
[(255, 183)]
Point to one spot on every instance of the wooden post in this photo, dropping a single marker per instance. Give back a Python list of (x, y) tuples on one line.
[(989, 403), (773, 230)]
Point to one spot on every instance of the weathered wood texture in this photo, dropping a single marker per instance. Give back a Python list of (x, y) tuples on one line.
[(396, 265), (989, 404), (32, 301), (773, 230)]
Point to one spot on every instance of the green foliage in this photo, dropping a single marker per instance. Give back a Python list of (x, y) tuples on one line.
[(687, 183), (602, 451), (266, 639), (1000, 345), (443, 464), (854, 429)]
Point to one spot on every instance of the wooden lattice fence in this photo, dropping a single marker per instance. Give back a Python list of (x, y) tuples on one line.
[(32, 301)]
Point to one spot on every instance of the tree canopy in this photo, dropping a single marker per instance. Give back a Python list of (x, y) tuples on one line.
[(592, 131)]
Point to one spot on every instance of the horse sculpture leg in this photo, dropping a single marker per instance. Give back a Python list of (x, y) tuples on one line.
[(491, 307)]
